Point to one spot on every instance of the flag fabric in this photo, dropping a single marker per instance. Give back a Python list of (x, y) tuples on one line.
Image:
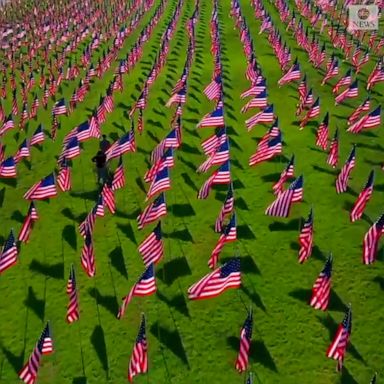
[(88, 255), (333, 155), (139, 358), (211, 143), (313, 112), (259, 101), (351, 92), (152, 212), (221, 176), (23, 151), (363, 198), (44, 189), (306, 239), (89, 222), (265, 116), (339, 344), (229, 234), (73, 313), (245, 344), (71, 149), (152, 248), (321, 290), (342, 178), (213, 119), (160, 183), (218, 157), (44, 346), (282, 205), (292, 74), (371, 241), (118, 177), (64, 176), (7, 125), (213, 89), (255, 90), (213, 284), (344, 81), (9, 253), (166, 161), (364, 107), (8, 168), (287, 173), (226, 209), (322, 133), (372, 120), (59, 108), (26, 228), (272, 148), (38, 136), (145, 286), (108, 197), (125, 144)]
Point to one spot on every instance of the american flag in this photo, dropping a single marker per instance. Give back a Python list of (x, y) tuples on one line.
[(145, 286), (287, 173), (213, 89), (9, 253), (339, 344), (333, 155), (216, 158), (226, 209), (71, 149), (332, 71), (160, 183), (282, 205), (322, 133), (255, 90), (245, 344), (211, 143), (152, 248), (108, 197), (38, 136), (213, 119), (139, 358), (26, 228), (221, 176), (44, 346), (372, 120), (88, 255), (306, 239), (59, 108), (166, 161), (229, 234), (64, 176), (89, 222), (363, 107), (23, 151), (83, 132), (43, 189), (351, 92), (218, 281), (303, 88), (371, 240), (178, 97), (152, 212), (118, 177), (342, 178), (272, 148), (307, 101), (292, 74), (314, 111), (172, 140), (73, 313), (344, 81), (363, 198), (125, 144), (259, 101), (265, 116), (321, 290), (8, 168)]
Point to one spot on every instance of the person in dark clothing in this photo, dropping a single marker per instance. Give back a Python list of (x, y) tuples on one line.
[(101, 160), (104, 144)]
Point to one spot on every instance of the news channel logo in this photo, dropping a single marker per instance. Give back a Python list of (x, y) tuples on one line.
[(363, 17)]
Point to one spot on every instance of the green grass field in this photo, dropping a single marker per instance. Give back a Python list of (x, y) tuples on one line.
[(197, 342)]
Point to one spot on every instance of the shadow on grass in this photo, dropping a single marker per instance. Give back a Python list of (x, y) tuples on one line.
[(69, 215), (55, 271), (316, 251), (127, 230), (346, 377), (292, 225), (182, 210), (324, 170), (171, 340), (117, 261), (16, 361), (189, 164), (17, 216), (173, 269), (88, 195), (348, 207), (188, 149), (187, 180), (258, 352), (255, 297), (79, 380), (131, 216), (35, 304), (69, 235), (329, 323), (2, 195), (9, 182), (98, 342), (380, 281), (177, 302), (272, 177), (182, 234), (245, 233), (140, 184), (109, 302)]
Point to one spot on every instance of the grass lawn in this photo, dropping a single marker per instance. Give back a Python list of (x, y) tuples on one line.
[(197, 342)]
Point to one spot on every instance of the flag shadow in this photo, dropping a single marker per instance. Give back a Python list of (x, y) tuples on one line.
[(55, 271), (173, 269), (66, 212), (140, 184), (245, 233), (258, 352), (87, 195), (130, 216), (182, 234), (255, 297), (380, 281), (346, 377), (188, 149), (324, 170), (9, 182), (187, 180), (109, 302), (35, 304), (178, 302), (79, 380), (189, 164), (329, 323), (316, 149), (127, 230), (69, 235), (98, 342), (2, 196), (316, 251), (17, 216), (117, 261), (171, 340), (292, 225), (182, 210), (272, 177), (16, 361), (348, 207)]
